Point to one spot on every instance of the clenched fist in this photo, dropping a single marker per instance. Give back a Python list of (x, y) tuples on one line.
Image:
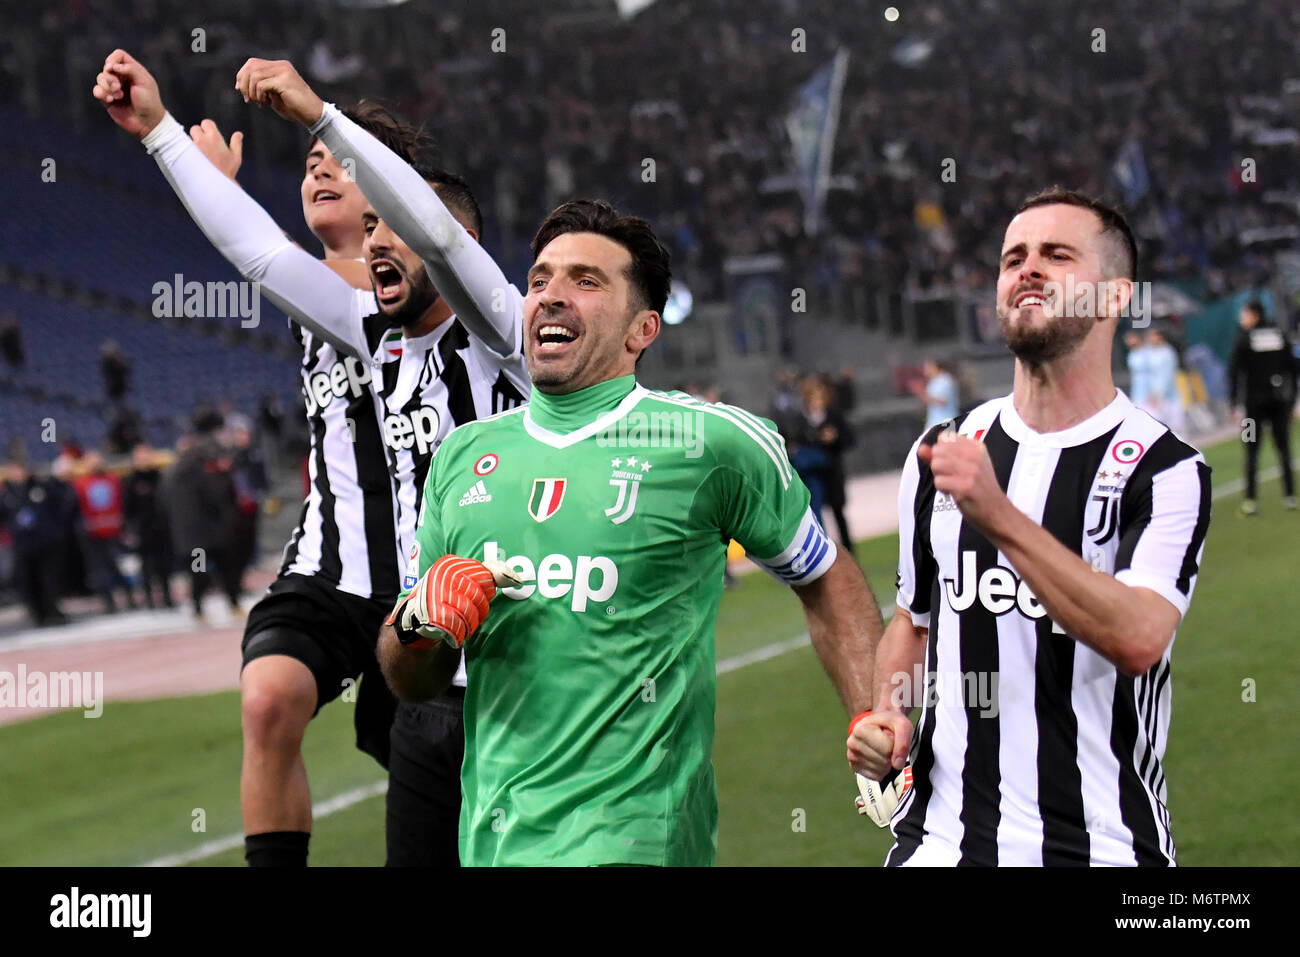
[(275, 83), (879, 742), (130, 94), (962, 468)]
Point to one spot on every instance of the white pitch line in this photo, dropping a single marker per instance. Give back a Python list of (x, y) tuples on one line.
[(232, 841), (725, 666), (1239, 484)]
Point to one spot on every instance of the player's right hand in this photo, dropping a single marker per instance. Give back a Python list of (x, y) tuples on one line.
[(227, 158), (879, 742), (449, 602), (130, 93), (275, 83)]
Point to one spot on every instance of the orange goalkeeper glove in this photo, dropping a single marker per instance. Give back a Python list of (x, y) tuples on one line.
[(449, 602)]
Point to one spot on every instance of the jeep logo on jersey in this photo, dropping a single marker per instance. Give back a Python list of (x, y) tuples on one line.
[(558, 575), (998, 589), (548, 494), (419, 429), (343, 377)]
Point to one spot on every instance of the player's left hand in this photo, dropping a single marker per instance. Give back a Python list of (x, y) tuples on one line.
[(275, 83), (879, 799), (962, 468), (225, 157)]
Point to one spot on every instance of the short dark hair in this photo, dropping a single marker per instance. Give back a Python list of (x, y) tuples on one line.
[(1112, 220), (455, 195), (412, 143), (650, 273), (1257, 308)]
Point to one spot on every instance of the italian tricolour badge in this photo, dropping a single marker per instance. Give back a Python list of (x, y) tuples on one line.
[(547, 495), (1127, 451)]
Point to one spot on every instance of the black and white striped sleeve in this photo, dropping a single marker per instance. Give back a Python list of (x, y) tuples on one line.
[(1162, 533), (916, 566)]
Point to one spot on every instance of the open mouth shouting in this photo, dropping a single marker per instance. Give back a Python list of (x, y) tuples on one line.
[(323, 197), (388, 279)]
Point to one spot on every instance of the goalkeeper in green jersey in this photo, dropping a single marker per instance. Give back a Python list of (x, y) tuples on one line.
[(605, 510)]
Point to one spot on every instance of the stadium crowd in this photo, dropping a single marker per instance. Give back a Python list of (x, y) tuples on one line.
[(1161, 117), (68, 529)]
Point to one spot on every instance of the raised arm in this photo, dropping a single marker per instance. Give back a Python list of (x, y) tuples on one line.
[(314, 295), (463, 272)]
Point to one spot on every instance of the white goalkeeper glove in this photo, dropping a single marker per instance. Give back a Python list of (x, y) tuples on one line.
[(879, 799)]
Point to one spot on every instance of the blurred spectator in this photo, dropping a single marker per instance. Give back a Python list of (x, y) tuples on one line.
[(37, 513), (939, 393), (232, 418), (201, 501), (115, 369), (819, 438), (270, 429), (1262, 380), (248, 473), (1138, 361), (846, 393), (100, 495), (786, 402), (148, 532), (11, 342), (125, 430), (206, 419), (1163, 400)]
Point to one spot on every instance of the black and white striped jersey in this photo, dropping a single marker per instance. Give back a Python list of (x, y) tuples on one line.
[(346, 534), (379, 423), (428, 386), (377, 404), (1032, 749)]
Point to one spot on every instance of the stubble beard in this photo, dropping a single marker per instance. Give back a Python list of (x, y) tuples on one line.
[(1035, 346), (418, 301)]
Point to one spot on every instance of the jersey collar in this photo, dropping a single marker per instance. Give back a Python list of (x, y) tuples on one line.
[(1099, 423), (563, 420)]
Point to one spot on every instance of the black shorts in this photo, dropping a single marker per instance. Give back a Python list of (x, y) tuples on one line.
[(334, 634), (423, 804)]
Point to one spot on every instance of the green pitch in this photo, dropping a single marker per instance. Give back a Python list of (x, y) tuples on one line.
[(129, 787)]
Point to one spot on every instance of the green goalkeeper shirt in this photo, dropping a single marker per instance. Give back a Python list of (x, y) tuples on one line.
[(589, 711)]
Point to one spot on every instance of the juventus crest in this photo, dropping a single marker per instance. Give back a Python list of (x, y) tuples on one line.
[(626, 477)]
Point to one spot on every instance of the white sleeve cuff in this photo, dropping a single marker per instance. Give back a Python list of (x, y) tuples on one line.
[(326, 115), (166, 128), (1161, 586)]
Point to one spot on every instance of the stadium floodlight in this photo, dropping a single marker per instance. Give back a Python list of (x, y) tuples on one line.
[(679, 304)]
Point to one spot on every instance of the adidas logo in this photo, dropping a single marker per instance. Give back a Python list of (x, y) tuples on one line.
[(477, 493)]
